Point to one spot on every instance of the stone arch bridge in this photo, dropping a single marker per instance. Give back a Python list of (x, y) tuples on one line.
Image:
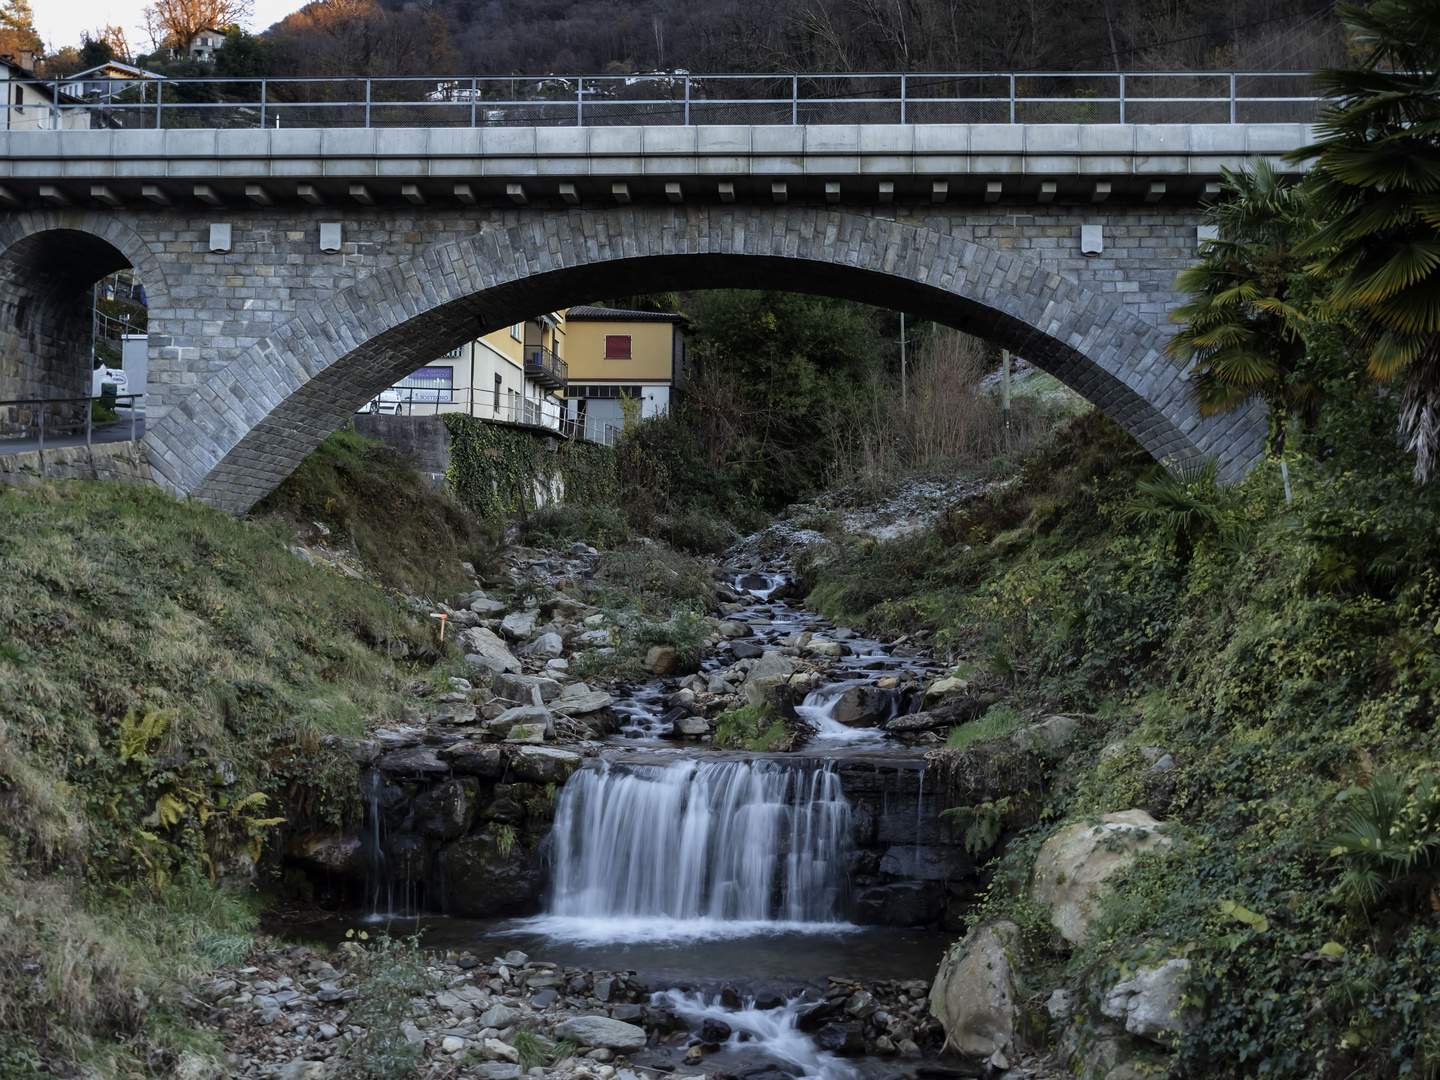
[(292, 274)]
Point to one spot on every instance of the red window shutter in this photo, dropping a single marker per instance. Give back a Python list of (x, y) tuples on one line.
[(617, 346)]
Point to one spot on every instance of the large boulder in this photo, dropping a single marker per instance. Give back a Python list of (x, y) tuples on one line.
[(528, 715), (1049, 736), (522, 688), (1149, 1002), (1074, 864), (446, 810), (544, 764), (484, 649), (546, 646), (974, 992), (471, 758), (519, 625), (480, 880), (580, 704), (602, 1031), (771, 663), (662, 660), (864, 706)]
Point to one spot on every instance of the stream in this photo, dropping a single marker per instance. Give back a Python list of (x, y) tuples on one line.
[(722, 878)]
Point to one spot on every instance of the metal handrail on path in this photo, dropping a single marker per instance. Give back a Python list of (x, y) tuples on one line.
[(16, 405), (681, 98)]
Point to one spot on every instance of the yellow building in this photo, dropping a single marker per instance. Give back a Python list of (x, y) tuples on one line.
[(566, 372), (615, 354)]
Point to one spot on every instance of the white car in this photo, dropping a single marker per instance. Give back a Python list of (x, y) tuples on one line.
[(388, 403)]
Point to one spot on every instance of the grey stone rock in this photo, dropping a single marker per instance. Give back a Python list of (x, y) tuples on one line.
[(414, 761), (544, 764), (471, 758), (1149, 1002), (546, 646), (1052, 733), (973, 996), (499, 1017), (581, 704), (602, 1031), (522, 688), (527, 715), (484, 649), (520, 625)]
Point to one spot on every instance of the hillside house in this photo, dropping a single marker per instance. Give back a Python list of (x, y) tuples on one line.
[(31, 104)]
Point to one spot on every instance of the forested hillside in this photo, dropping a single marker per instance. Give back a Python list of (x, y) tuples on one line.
[(502, 37)]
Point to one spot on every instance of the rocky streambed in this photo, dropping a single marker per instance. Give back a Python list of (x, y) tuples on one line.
[(287, 1013), (616, 821)]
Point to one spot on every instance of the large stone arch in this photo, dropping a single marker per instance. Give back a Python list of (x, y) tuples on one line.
[(246, 428), (48, 262)]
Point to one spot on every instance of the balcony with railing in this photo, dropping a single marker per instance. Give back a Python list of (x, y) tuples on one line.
[(545, 368)]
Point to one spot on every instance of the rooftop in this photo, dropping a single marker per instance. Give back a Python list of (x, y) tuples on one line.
[(586, 313)]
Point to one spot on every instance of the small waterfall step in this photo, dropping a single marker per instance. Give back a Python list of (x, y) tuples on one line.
[(739, 842)]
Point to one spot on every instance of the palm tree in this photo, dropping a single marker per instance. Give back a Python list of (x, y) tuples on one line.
[(1376, 185), (1243, 321)]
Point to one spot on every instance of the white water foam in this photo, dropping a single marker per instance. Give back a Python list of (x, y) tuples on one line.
[(728, 842), (772, 1032)]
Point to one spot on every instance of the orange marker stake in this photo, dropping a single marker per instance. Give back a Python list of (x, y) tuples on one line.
[(442, 618)]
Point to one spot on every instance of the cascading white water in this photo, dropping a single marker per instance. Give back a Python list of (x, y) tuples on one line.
[(733, 842)]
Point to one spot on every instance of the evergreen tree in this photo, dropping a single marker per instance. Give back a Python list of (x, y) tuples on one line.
[(17, 29)]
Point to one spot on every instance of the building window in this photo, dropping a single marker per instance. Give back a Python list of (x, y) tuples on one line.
[(455, 352), (617, 347), (518, 331), (498, 381), (574, 391), (428, 384)]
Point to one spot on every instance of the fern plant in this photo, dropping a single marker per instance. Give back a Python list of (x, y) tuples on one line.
[(1388, 839)]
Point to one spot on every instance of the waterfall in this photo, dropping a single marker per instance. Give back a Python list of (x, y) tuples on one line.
[(722, 841)]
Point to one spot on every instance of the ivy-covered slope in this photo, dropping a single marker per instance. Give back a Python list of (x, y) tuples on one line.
[(1285, 656)]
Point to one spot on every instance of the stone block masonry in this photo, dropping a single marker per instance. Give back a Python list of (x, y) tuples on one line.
[(259, 351)]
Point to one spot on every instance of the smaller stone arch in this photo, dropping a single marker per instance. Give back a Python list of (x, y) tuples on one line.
[(48, 262)]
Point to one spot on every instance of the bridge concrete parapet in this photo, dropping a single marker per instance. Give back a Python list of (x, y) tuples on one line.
[(1021, 156)]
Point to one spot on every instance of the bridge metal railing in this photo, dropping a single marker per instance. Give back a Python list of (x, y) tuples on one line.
[(506, 408), (26, 419), (1150, 97)]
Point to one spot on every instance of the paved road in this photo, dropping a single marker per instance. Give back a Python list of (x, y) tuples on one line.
[(110, 433)]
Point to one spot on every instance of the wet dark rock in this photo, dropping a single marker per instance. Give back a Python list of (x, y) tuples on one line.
[(478, 880), (446, 811), (846, 1039), (729, 997), (502, 811), (628, 1013), (902, 903), (544, 764), (328, 850), (414, 761), (812, 1018), (472, 758), (746, 650), (865, 706), (407, 857), (714, 1031)]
